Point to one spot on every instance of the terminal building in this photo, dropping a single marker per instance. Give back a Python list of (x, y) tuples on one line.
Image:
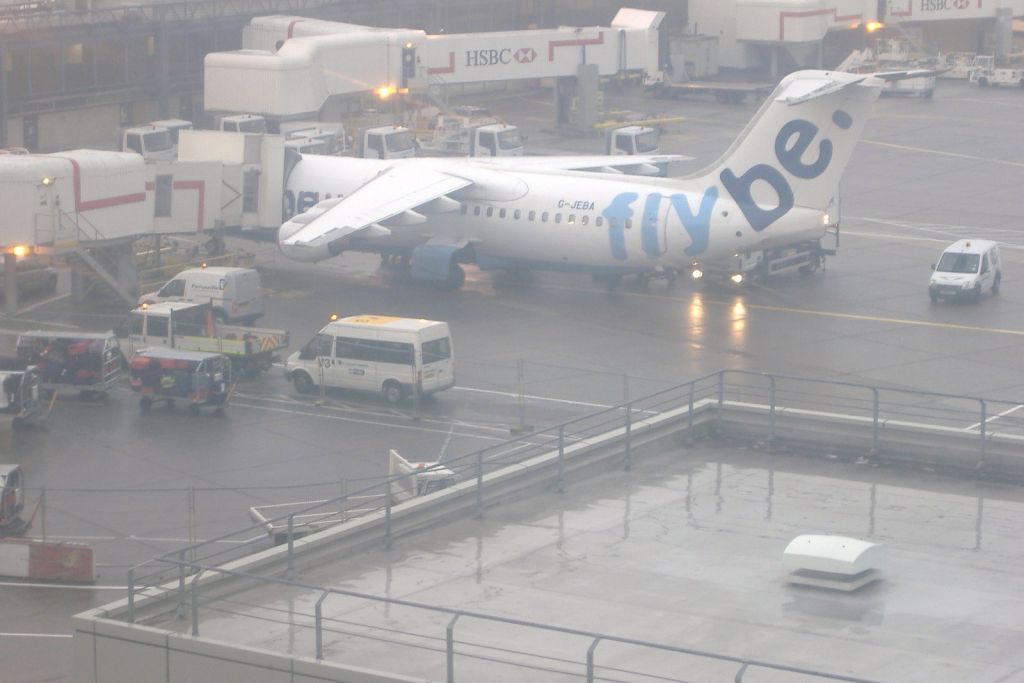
[(75, 72)]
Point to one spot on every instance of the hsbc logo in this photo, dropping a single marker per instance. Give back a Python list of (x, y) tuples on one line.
[(493, 57), (940, 5), (525, 55)]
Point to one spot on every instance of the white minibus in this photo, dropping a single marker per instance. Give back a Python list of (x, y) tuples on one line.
[(396, 357)]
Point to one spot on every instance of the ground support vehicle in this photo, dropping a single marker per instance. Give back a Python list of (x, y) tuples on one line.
[(236, 294), (804, 258), (192, 327), (965, 270), (986, 73), (959, 65), (34, 278), (88, 362), (397, 357), (20, 401), (169, 375), (458, 135), (12, 501)]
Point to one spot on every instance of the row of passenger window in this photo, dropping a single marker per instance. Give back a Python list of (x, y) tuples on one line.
[(517, 214)]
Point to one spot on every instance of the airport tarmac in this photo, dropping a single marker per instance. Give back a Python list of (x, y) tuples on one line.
[(926, 173)]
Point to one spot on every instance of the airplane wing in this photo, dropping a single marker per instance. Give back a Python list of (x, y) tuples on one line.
[(395, 191), (583, 162)]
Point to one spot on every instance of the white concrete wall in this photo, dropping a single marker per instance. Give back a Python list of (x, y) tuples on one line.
[(113, 652)]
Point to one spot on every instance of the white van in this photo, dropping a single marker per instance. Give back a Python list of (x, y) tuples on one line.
[(235, 293), (966, 269), (376, 353)]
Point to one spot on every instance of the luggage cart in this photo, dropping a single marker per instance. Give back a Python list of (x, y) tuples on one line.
[(170, 375), (90, 362)]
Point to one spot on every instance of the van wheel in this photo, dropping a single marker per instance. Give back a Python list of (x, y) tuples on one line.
[(934, 296), (393, 392), (303, 383), (976, 293), (996, 283)]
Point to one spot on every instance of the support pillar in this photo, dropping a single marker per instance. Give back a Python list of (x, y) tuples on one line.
[(3, 100), (162, 67), (10, 285)]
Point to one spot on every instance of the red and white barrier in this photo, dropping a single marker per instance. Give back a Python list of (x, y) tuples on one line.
[(47, 561)]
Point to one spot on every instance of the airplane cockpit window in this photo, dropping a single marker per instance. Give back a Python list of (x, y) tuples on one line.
[(958, 263)]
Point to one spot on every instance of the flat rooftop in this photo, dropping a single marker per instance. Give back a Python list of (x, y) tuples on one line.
[(683, 550)]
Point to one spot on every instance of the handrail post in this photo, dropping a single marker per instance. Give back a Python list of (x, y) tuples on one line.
[(180, 612), (131, 595), (479, 483), (320, 625), (450, 648), (561, 459), (874, 423), (739, 674), (689, 417), (984, 432), (387, 516), (195, 602), (629, 436), (721, 401), (290, 573), (590, 660), (771, 408)]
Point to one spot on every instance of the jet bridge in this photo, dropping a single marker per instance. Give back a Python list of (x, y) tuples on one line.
[(290, 66)]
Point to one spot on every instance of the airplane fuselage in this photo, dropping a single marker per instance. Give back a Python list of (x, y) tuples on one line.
[(572, 221)]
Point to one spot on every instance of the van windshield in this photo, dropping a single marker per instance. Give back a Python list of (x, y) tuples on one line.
[(958, 263)]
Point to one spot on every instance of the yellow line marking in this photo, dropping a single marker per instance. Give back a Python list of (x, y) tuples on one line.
[(939, 152), (875, 318), (806, 311)]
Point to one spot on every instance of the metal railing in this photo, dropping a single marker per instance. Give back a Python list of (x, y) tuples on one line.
[(584, 663), (877, 406), (874, 406)]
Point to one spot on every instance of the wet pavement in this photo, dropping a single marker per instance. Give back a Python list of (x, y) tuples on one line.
[(927, 173)]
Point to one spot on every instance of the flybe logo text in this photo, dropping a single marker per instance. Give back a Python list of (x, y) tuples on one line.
[(792, 144)]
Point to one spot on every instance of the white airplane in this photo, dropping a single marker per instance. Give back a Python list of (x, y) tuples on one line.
[(768, 197)]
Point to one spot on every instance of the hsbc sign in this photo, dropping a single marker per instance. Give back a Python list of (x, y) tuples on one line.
[(926, 10), (940, 5), (493, 56)]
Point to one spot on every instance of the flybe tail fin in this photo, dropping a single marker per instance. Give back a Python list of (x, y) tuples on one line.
[(794, 150)]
